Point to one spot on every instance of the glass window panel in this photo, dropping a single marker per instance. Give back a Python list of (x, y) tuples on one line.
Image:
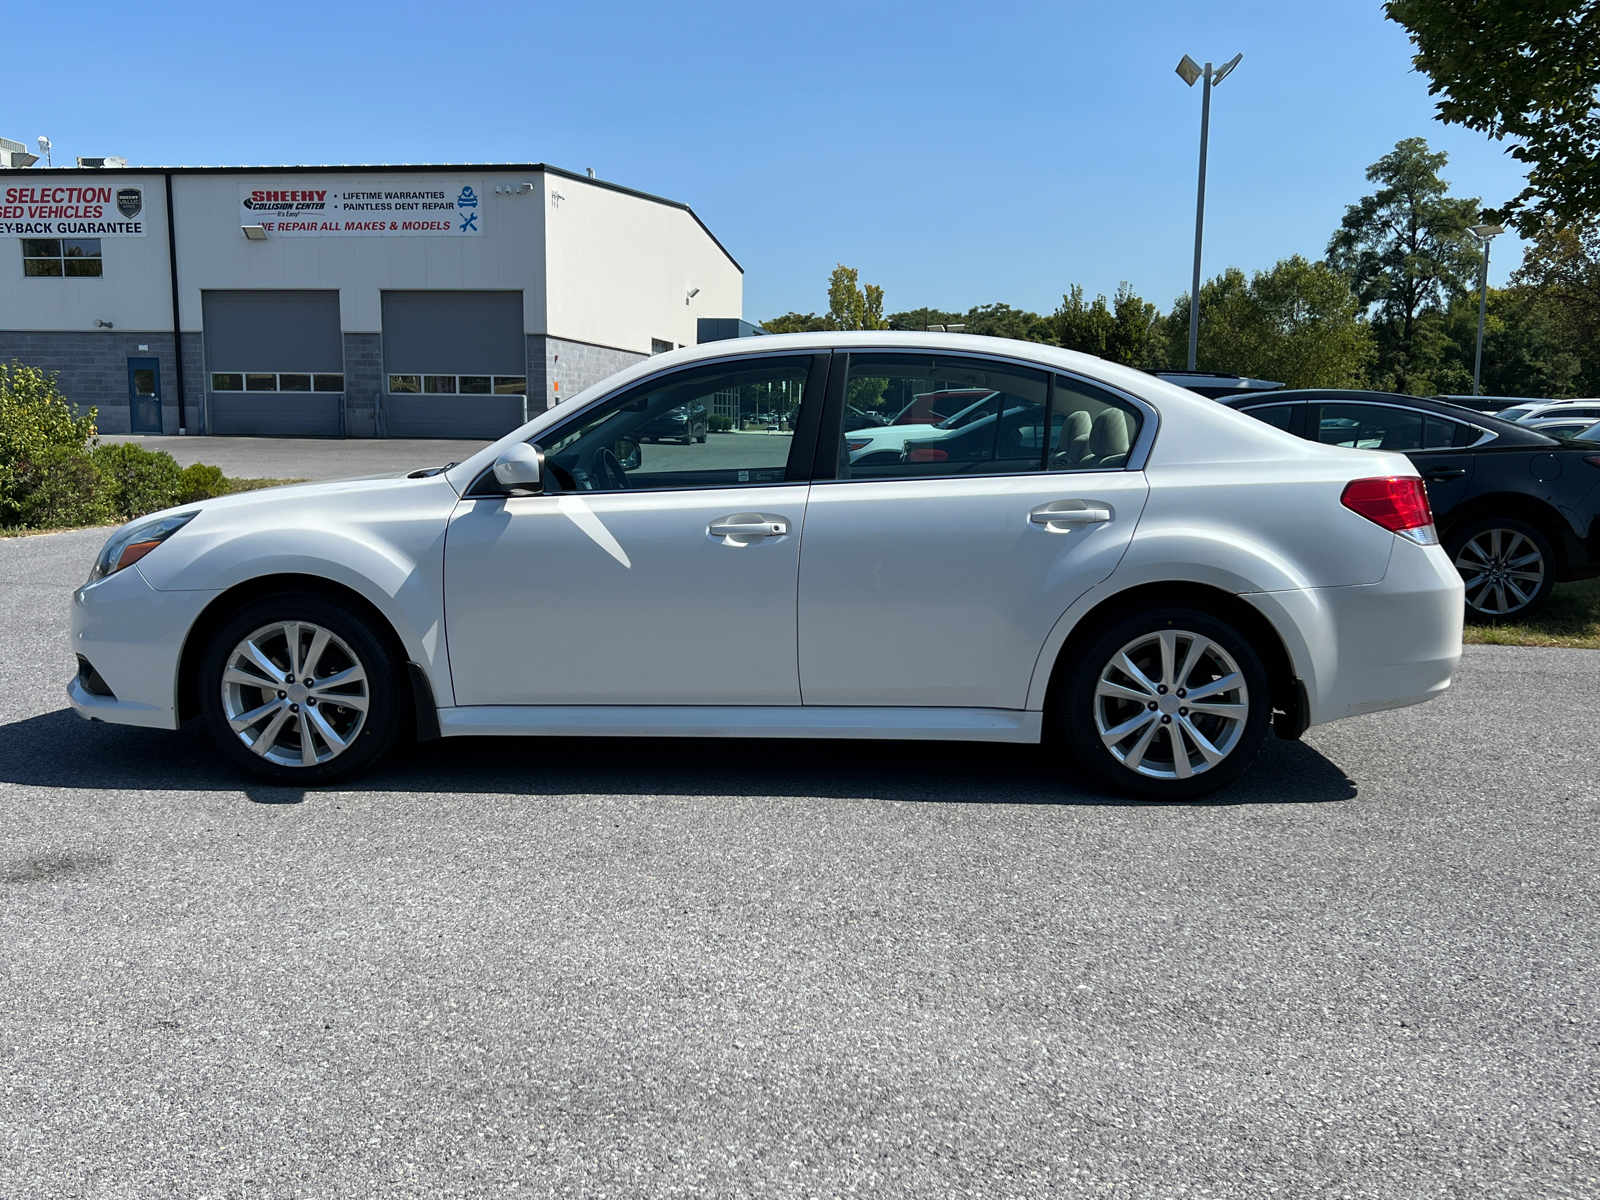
[(225, 382), (405, 383), (1370, 427), (475, 385), (144, 381), (329, 383), (1439, 433), (41, 267), (294, 383), (995, 424), (656, 434), (1090, 429), (1276, 415), (41, 247), (82, 266), (260, 383), (511, 385), (81, 248), (442, 385)]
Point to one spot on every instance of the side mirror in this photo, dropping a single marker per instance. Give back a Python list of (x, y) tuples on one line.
[(628, 454), (521, 466)]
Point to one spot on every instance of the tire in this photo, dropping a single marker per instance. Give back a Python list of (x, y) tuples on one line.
[(1496, 558), (1098, 697), (344, 739), (702, 438)]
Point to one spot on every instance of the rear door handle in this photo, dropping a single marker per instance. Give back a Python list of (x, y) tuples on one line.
[(1060, 516), (1440, 474), (748, 526)]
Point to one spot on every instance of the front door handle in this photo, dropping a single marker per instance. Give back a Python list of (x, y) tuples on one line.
[(742, 528), (1061, 516), (1440, 474)]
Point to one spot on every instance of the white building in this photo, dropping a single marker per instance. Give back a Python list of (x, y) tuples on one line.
[(344, 301)]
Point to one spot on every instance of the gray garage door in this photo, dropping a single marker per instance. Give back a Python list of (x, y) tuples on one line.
[(274, 363), (455, 364)]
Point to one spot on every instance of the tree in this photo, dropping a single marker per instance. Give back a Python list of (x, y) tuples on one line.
[(1003, 321), (921, 318), (1297, 323), (793, 322), (1524, 352), (1405, 250), (1119, 332), (1560, 277), (851, 307), (1525, 70)]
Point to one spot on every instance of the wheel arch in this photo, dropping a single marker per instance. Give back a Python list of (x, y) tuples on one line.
[(1284, 688), (1520, 507), (223, 606)]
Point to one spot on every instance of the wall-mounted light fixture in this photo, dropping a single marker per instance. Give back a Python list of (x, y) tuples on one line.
[(254, 233), (99, 324), (693, 292)]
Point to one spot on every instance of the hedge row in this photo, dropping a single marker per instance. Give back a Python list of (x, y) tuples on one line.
[(55, 475)]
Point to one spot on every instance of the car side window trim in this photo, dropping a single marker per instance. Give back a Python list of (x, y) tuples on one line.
[(486, 487), (825, 463)]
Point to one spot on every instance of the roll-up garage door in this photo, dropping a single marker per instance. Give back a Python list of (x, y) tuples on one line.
[(274, 363), (455, 363)]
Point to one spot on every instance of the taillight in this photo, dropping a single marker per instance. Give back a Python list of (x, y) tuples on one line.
[(1398, 502)]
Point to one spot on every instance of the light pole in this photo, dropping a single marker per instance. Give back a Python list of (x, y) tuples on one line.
[(1189, 71), (1485, 234)]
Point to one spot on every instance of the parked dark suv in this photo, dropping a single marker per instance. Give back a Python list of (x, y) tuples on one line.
[(686, 423), (1516, 509)]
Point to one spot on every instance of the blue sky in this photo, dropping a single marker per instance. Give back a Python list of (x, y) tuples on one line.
[(957, 154)]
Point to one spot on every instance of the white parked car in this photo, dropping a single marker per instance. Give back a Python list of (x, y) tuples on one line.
[(1534, 410), (1154, 586)]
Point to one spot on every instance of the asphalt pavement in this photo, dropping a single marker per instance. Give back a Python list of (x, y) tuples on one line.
[(707, 969)]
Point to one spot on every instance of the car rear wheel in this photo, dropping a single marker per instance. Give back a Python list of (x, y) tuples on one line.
[(1166, 704), (298, 690), (1507, 566)]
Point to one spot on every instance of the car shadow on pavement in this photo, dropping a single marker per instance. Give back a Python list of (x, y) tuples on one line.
[(60, 750)]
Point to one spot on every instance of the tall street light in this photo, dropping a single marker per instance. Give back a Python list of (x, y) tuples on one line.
[(1189, 71), (1485, 234)]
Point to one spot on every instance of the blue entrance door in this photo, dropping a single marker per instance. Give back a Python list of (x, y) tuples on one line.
[(144, 395)]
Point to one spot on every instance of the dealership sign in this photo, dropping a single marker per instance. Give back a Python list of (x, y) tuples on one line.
[(296, 208), (99, 210)]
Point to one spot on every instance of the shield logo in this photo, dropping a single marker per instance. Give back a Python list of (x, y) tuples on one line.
[(130, 201)]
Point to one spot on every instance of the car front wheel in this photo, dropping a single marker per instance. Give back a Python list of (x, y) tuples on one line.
[(298, 690), (1507, 566), (1166, 704)]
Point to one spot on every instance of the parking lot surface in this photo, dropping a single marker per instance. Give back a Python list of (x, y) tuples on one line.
[(693, 968), (307, 458)]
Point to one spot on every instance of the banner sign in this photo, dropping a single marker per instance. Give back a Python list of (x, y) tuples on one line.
[(98, 210), (309, 207)]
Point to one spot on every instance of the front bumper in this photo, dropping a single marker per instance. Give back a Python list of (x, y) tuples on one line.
[(1370, 647), (133, 637)]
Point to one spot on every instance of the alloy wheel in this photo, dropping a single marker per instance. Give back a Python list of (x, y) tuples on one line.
[(1171, 704), (295, 694), (1502, 570)]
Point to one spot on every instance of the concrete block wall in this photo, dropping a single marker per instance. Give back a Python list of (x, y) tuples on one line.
[(92, 369), (194, 382), (363, 380), (575, 366)]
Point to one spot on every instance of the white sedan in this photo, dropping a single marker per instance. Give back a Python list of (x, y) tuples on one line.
[(1151, 588)]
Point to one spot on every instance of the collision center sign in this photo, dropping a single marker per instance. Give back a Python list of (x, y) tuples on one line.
[(97, 210), (427, 208)]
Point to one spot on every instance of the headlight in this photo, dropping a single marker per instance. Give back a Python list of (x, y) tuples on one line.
[(134, 540)]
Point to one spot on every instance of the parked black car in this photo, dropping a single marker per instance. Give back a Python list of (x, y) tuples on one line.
[(687, 423), (1516, 509)]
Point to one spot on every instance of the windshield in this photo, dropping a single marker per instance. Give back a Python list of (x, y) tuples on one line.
[(1515, 411)]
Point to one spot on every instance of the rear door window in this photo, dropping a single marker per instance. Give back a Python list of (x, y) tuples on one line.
[(1370, 427)]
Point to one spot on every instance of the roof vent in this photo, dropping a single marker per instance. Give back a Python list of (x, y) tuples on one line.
[(14, 155), (111, 162)]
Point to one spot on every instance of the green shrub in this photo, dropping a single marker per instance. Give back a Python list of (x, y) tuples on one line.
[(719, 424), (39, 434), (136, 481), (202, 481), (60, 490)]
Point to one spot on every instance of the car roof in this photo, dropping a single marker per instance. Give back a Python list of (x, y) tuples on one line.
[(1510, 433)]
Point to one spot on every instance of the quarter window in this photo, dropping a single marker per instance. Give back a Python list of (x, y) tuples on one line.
[(272, 381), (1276, 415), (662, 434), (55, 257)]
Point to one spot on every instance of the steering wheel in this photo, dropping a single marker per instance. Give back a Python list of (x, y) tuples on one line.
[(608, 471)]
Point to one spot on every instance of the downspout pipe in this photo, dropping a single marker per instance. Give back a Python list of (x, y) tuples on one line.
[(177, 327)]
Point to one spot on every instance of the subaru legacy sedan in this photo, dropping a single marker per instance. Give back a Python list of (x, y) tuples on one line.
[(1139, 575)]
